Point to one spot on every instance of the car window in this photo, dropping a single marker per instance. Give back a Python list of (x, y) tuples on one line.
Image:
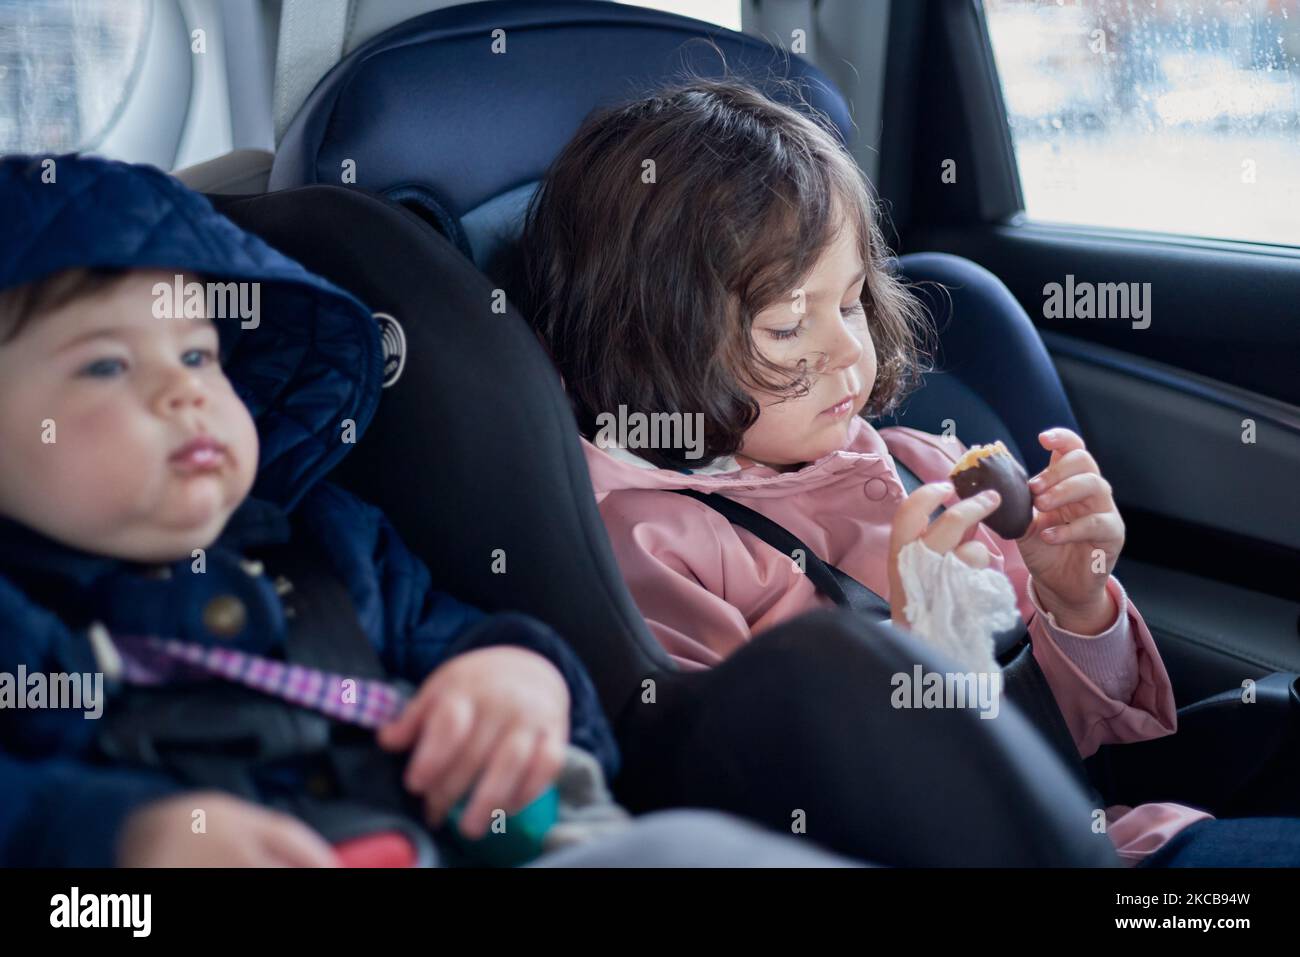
[(1175, 116), (725, 13), (66, 69)]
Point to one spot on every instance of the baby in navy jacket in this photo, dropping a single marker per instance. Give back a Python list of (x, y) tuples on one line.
[(173, 394)]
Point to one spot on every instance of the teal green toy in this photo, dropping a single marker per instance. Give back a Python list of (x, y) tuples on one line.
[(518, 843)]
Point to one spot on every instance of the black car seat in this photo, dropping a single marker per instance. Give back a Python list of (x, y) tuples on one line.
[(474, 456)]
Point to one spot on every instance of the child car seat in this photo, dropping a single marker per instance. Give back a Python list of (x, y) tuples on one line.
[(461, 140), (474, 456), (427, 115), (428, 154)]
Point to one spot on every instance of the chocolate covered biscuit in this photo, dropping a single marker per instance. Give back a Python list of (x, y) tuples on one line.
[(985, 467)]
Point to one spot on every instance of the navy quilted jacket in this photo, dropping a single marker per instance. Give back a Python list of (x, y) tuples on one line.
[(313, 363)]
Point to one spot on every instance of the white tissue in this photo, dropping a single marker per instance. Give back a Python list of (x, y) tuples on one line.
[(955, 608)]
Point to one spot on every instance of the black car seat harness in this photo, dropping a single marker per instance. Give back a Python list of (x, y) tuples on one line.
[(1023, 681), (220, 734)]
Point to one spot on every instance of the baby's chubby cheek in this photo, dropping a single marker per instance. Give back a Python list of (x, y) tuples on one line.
[(98, 477), (239, 432), (90, 465)]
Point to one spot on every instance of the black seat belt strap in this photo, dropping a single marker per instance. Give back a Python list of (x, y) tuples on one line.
[(839, 587), (1023, 680), (833, 582)]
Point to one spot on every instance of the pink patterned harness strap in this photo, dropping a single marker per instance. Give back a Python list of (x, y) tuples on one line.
[(359, 701)]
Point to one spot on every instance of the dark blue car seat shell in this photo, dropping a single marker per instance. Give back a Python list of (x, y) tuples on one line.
[(432, 115)]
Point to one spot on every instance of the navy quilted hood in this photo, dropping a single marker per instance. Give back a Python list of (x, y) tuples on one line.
[(313, 362)]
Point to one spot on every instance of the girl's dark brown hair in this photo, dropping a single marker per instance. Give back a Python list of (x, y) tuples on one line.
[(645, 292)]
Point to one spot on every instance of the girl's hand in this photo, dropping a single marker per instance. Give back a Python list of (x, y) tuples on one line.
[(944, 534), (236, 834), (1075, 538), (497, 718)]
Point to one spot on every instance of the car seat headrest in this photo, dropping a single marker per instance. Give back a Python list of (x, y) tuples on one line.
[(456, 114)]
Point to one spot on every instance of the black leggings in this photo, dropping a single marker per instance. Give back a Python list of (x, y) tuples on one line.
[(798, 731)]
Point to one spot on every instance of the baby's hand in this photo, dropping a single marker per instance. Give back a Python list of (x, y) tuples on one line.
[(235, 834), (497, 716), (1075, 537)]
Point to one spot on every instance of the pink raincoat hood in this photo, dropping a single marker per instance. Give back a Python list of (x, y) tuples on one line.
[(867, 454)]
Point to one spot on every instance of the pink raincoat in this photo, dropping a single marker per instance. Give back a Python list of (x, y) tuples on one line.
[(706, 587)]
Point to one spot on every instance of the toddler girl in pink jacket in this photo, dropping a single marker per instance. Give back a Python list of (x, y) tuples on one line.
[(706, 270)]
